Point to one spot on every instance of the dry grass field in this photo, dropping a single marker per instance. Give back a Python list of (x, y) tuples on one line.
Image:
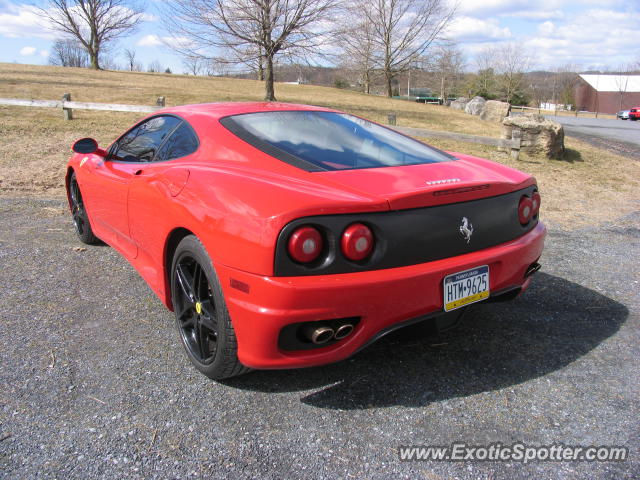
[(591, 185)]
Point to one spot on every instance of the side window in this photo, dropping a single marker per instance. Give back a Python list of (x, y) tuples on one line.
[(141, 143), (181, 143)]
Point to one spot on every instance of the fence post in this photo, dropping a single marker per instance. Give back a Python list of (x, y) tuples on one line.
[(160, 102), (67, 113), (391, 118), (516, 138)]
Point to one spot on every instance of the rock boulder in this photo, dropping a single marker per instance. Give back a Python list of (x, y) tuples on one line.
[(539, 135), (459, 103), (475, 106), (495, 111)]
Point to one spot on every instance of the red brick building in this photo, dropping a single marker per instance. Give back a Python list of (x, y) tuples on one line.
[(607, 93)]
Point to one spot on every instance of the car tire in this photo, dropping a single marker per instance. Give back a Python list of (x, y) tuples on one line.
[(79, 214), (202, 317)]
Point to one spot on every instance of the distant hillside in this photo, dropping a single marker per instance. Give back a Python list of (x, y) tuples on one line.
[(45, 82)]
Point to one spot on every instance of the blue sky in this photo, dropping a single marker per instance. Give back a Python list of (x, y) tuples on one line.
[(603, 34)]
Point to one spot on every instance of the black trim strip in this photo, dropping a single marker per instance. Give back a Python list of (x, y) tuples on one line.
[(230, 124), (409, 237)]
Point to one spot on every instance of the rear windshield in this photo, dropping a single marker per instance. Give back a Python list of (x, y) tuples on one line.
[(317, 141)]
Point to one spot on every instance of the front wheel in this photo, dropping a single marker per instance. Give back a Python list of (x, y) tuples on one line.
[(79, 214), (201, 314)]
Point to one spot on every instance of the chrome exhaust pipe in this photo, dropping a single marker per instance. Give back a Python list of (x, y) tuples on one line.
[(533, 268), (343, 331), (318, 334)]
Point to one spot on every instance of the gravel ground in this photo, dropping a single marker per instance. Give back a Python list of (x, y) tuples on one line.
[(95, 383), (619, 136)]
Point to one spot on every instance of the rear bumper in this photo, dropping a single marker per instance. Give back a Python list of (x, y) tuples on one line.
[(382, 299)]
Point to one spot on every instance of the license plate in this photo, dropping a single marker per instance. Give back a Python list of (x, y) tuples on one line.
[(464, 288)]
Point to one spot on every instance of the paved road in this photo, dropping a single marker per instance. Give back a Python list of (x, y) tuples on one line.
[(95, 383), (622, 136)]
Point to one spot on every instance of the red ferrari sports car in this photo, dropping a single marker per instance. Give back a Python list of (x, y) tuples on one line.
[(290, 236)]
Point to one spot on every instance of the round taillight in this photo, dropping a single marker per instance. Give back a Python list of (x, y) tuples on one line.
[(535, 200), (305, 244), (357, 242), (525, 210)]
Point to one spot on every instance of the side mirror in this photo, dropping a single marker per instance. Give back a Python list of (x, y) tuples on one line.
[(85, 145)]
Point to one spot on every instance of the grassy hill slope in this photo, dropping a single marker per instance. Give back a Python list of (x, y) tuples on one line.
[(47, 83), (590, 186)]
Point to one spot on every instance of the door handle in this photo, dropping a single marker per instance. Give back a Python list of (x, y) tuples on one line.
[(138, 172)]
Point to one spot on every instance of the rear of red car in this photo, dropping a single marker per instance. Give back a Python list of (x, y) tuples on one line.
[(421, 279), (455, 230), (634, 113)]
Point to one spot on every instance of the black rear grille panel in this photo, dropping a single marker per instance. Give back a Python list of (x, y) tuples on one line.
[(409, 237)]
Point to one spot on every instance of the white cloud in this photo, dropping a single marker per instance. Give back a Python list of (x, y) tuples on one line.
[(546, 29), (170, 41), (505, 7), (470, 29), (28, 51), (178, 42), (538, 15), (23, 21), (149, 41), (44, 53), (592, 37), (557, 32), (26, 21), (149, 17), (536, 10)]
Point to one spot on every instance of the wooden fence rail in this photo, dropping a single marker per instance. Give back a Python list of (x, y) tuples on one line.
[(512, 144), (555, 112), (67, 105)]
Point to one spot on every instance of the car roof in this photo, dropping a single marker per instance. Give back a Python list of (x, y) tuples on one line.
[(224, 109)]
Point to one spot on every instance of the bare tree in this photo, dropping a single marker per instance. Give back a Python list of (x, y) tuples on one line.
[(251, 57), (259, 61), (130, 56), (447, 64), (564, 84), (193, 64), (68, 52), (356, 39), (486, 80), (108, 62), (622, 82), (511, 61), (249, 29), (155, 67), (93, 23), (404, 29), (210, 68)]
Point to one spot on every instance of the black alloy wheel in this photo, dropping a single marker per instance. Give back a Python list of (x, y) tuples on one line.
[(79, 213), (195, 310), (202, 318)]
